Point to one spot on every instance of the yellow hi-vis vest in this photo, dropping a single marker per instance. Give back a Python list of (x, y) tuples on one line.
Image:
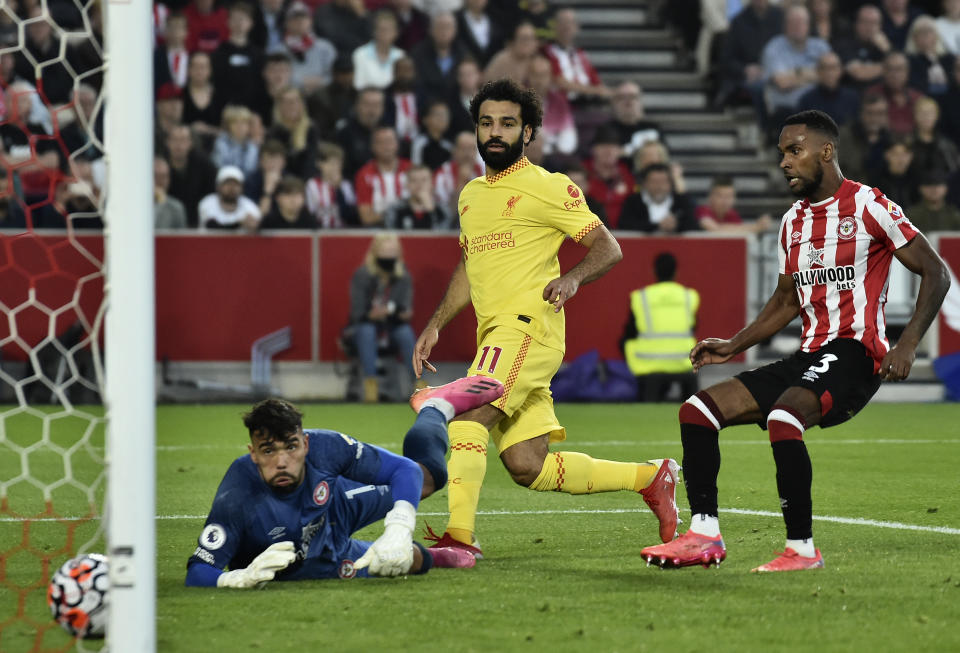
[(665, 314)]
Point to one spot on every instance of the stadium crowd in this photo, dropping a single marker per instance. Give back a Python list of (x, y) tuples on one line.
[(318, 114)]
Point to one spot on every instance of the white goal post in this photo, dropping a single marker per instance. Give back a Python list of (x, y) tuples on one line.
[(130, 324)]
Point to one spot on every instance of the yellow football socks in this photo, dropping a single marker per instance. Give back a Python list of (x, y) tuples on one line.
[(466, 469), (577, 473)]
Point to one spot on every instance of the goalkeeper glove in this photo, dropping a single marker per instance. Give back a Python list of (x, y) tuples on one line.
[(392, 553), (263, 568)]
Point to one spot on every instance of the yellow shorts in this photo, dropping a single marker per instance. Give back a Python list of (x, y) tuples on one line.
[(525, 367)]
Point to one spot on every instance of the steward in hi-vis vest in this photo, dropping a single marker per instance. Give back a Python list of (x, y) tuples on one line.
[(664, 314)]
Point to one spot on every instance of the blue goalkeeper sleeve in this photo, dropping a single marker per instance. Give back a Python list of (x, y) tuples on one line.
[(200, 574), (402, 475)]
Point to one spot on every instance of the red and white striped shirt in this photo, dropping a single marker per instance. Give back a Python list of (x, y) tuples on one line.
[(572, 65), (381, 188), (838, 252), (445, 180), (322, 202)]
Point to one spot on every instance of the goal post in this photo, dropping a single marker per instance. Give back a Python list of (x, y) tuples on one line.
[(130, 325)]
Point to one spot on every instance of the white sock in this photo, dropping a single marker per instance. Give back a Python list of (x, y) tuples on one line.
[(442, 405), (803, 547), (705, 525)]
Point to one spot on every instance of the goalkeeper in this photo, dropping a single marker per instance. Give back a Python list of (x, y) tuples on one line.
[(287, 510)]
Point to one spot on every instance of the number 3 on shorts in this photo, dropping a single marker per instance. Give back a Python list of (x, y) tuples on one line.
[(824, 365), (493, 360)]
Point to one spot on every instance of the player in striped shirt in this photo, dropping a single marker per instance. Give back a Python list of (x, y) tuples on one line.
[(835, 247)]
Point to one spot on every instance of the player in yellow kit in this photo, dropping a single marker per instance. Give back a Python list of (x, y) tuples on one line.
[(512, 223)]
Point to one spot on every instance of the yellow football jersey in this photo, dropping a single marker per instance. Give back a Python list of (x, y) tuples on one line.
[(511, 227)]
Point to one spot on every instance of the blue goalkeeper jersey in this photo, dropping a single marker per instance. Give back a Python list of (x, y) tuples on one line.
[(248, 516)]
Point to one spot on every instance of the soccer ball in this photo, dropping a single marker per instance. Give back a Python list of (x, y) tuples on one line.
[(77, 595)]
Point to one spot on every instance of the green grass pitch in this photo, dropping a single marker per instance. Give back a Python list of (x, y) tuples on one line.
[(563, 573)]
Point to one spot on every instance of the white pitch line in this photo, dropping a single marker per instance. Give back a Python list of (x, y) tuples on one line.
[(851, 521)]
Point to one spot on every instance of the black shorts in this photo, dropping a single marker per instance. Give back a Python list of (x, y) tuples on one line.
[(839, 373)]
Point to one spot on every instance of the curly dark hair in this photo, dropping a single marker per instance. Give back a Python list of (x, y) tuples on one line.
[(273, 419), (507, 90)]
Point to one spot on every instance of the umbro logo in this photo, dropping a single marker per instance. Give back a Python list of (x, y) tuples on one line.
[(277, 532)]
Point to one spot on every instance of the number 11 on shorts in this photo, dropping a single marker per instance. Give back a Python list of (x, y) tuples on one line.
[(493, 361)]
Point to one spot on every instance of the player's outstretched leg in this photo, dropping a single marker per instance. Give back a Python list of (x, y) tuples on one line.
[(700, 423), (426, 441), (458, 396), (578, 473)]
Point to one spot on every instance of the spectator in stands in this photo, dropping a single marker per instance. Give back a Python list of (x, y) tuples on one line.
[(202, 106), (864, 141), (826, 22), (288, 210), (430, 147), (863, 52), (261, 184), (234, 145), (478, 35), (373, 62), (237, 63), (420, 210), (206, 26), (293, 127), (789, 64), (719, 214), (714, 23), (330, 198), (402, 108), (464, 165), (541, 15), (227, 207), (171, 58), (572, 69), (412, 24), (930, 65), (900, 97), (656, 152), (381, 305), (931, 149), (344, 23), (311, 56), (513, 61), (741, 71), (168, 212), (558, 131), (656, 207), (610, 181), (658, 335), (629, 123), (277, 77), (468, 83), (356, 134), (829, 95), (933, 212), (436, 58), (898, 16), (168, 109), (191, 173), (42, 48), (269, 35), (380, 182), (948, 26), (330, 106), (950, 106), (578, 175), (897, 177)]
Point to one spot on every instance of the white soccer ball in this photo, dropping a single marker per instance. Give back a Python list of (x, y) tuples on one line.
[(77, 595)]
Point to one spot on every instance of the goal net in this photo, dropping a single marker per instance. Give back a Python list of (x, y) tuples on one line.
[(53, 188)]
